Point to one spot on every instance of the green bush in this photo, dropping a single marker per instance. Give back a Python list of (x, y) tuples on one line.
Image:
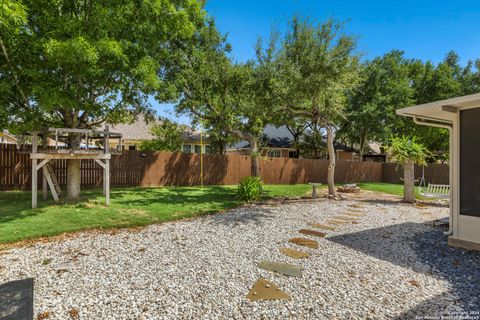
[(250, 189)]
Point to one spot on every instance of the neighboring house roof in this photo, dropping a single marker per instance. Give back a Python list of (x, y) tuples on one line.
[(277, 137), (374, 147), (194, 136), (140, 130), (7, 137)]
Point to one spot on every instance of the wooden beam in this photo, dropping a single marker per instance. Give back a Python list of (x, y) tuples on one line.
[(72, 130), (69, 151), (100, 156), (44, 162), (52, 186), (100, 163), (34, 183), (107, 182), (34, 142), (44, 185)]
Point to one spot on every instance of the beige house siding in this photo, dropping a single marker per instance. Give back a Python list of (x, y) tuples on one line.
[(268, 152)]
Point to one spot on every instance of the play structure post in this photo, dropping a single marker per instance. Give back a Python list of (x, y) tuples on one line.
[(34, 171), (201, 155), (44, 184), (106, 170)]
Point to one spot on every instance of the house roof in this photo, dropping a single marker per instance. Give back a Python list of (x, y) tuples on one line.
[(8, 135), (277, 137), (443, 110), (140, 130)]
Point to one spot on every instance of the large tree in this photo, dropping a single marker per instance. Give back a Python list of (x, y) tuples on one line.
[(77, 64), (370, 113), (391, 82), (319, 67), (227, 98)]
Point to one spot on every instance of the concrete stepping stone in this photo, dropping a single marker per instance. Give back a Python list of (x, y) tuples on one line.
[(294, 254), (357, 206), (312, 233), (322, 226), (265, 290), (354, 214), (346, 218), (283, 268), (356, 210), (304, 242), (16, 299), (333, 221)]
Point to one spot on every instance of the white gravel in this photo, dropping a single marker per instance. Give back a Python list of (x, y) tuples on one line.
[(393, 264)]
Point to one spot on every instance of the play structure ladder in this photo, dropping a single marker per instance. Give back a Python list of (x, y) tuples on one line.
[(52, 181)]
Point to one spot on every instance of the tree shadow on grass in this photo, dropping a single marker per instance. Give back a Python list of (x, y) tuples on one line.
[(178, 196), (17, 205), (425, 250)]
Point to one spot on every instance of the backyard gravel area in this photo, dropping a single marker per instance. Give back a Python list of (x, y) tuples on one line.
[(393, 264)]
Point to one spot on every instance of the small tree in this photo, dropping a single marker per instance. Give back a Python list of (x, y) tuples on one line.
[(408, 152), (168, 136)]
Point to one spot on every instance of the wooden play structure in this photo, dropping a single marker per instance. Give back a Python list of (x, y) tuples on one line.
[(95, 145)]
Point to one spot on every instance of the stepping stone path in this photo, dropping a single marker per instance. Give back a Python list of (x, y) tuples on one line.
[(264, 290), (357, 206), (304, 242), (337, 222), (346, 218), (312, 233), (283, 268), (294, 254), (354, 214), (322, 226)]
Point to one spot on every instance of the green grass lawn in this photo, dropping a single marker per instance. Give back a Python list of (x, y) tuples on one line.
[(396, 189), (129, 207)]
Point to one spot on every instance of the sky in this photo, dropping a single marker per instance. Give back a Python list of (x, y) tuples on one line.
[(424, 30)]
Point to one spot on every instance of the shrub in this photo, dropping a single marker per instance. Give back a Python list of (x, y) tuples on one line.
[(249, 189)]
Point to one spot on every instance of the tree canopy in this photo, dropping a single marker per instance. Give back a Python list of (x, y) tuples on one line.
[(167, 136), (76, 64)]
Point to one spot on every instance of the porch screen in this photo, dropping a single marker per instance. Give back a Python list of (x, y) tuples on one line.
[(470, 162)]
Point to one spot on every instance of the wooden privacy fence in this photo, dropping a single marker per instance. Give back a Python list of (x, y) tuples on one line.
[(434, 173), (136, 168)]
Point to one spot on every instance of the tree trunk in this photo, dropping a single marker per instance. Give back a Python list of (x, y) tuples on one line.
[(73, 169), (255, 171), (252, 139), (363, 140), (408, 181), (73, 179), (331, 162)]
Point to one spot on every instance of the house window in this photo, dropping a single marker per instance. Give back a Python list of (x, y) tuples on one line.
[(273, 153), (208, 149), (292, 154), (187, 148), (197, 148), (132, 147)]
